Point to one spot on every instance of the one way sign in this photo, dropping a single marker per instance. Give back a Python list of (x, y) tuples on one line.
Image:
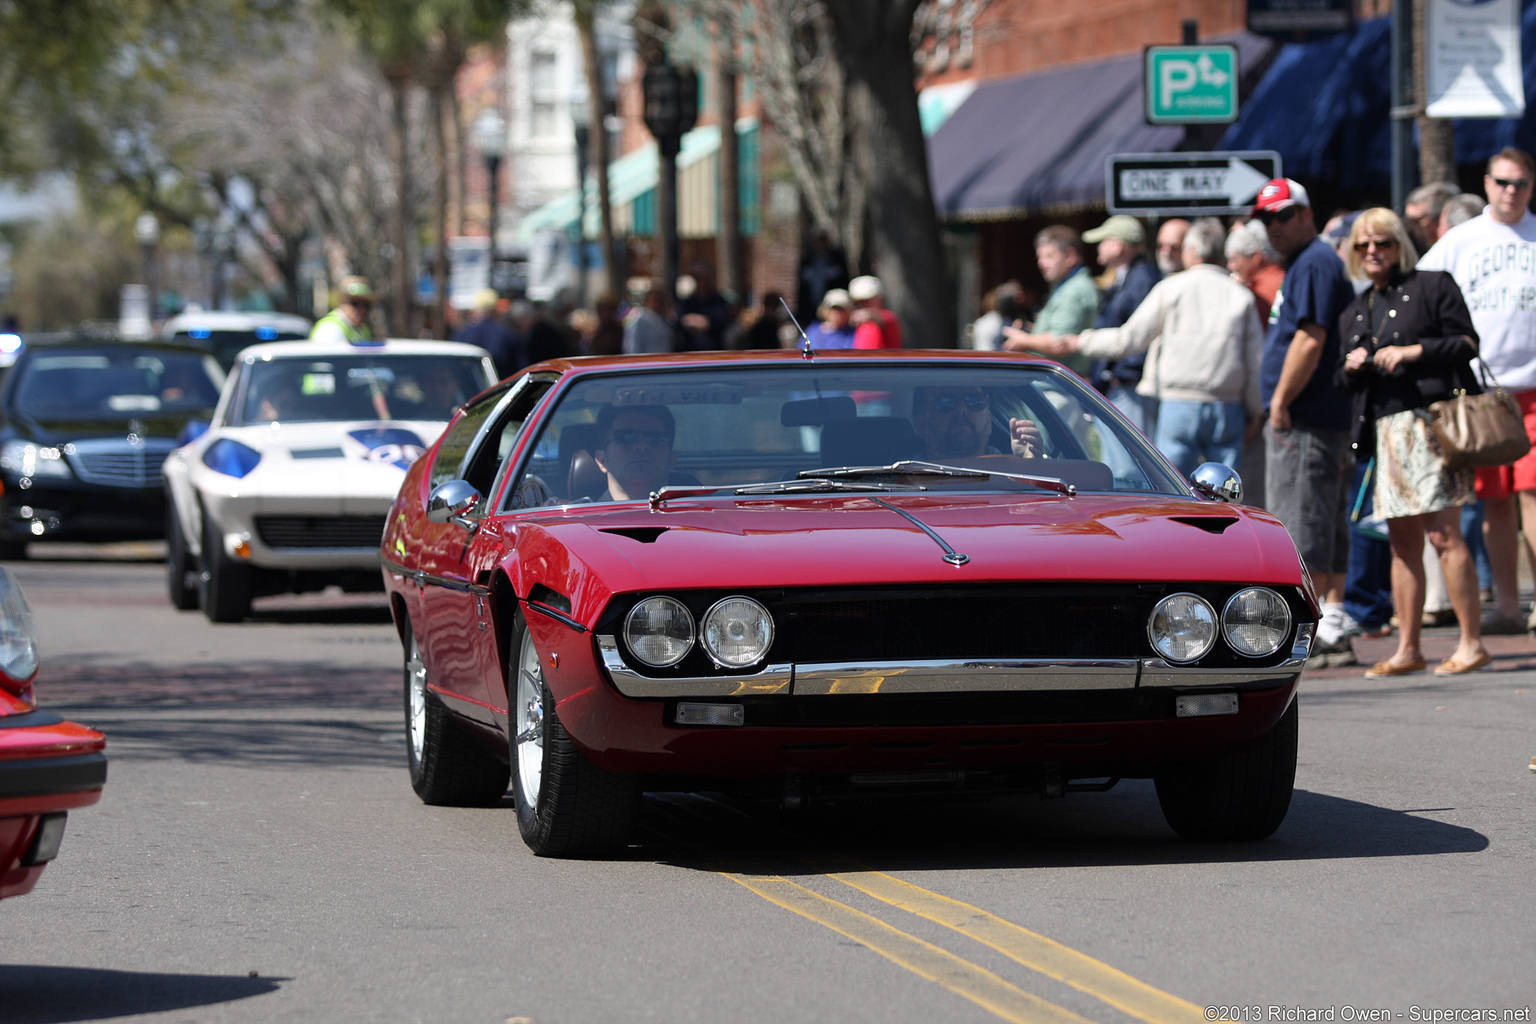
[(1198, 184)]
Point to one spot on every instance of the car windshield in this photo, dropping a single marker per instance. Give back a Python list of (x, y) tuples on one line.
[(782, 429), (360, 387), (114, 382)]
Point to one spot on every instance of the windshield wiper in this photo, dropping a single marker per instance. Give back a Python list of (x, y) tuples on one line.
[(798, 486), (936, 469)]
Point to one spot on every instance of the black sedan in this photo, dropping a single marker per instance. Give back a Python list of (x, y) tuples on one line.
[(84, 427)]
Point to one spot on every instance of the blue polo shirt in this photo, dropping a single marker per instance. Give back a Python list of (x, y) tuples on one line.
[(1315, 290)]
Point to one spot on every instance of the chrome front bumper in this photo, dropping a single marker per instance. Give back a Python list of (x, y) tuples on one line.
[(982, 676)]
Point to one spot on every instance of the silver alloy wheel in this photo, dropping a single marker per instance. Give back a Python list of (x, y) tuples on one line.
[(529, 709), (416, 693)]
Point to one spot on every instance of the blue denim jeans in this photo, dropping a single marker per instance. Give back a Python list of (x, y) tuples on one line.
[(1368, 581), (1190, 433), (1139, 409)]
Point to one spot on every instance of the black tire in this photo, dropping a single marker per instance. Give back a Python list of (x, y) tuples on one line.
[(178, 562), (225, 583), (447, 768), (1241, 797), (566, 805)]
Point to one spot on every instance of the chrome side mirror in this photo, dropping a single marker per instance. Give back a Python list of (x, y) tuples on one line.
[(1217, 482), (450, 500)]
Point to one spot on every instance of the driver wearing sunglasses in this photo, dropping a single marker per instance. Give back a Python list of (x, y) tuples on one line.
[(635, 450), (956, 423)]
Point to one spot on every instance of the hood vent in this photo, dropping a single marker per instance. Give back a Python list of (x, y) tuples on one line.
[(1210, 524), (643, 534)]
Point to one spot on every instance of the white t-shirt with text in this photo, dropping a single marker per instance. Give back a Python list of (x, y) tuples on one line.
[(1494, 264)]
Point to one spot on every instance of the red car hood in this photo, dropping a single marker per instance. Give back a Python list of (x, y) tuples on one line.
[(844, 540)]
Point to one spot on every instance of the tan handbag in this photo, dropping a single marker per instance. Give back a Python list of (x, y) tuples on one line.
[(1480, 430)]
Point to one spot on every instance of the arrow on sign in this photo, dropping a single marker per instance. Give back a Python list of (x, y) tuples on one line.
[(1236, 184)]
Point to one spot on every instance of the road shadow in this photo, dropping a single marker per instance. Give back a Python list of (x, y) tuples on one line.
[(374, 613), (282, 743), (1121, 828), (87, 685), (31, 994)]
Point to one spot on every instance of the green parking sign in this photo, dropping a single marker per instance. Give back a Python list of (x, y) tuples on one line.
[(1191, 84)]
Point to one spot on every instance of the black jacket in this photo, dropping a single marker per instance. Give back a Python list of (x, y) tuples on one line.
[(1423, 307)]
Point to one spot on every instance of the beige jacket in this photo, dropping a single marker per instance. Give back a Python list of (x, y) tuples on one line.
[(1202, 338)]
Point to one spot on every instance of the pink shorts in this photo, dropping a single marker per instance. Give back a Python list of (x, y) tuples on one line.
[(1504, 481)]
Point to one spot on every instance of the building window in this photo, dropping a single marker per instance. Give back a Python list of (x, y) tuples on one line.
[(541, 119)]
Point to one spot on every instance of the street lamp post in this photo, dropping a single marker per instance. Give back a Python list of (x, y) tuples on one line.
[(581, 119), (147, 230), (491, 137), (671, 107)]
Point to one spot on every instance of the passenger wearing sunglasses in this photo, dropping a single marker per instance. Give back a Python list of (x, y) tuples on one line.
[(1306, 433), (636, 449), (1493, 259)]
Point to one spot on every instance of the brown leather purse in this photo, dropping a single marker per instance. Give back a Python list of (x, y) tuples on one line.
[(1480, 430)]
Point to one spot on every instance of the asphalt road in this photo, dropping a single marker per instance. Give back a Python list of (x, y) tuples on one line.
[(258, 856)]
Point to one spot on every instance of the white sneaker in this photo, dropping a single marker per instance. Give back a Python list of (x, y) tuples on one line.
[(1348, 624), (1330, 629)]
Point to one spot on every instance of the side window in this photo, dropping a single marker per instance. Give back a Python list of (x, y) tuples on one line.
[(499, 440), (458, 438)]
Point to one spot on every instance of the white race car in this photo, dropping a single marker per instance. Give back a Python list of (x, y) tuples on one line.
[(288, 488)]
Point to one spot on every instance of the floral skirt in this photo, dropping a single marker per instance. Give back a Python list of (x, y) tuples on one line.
[(1411, 476)]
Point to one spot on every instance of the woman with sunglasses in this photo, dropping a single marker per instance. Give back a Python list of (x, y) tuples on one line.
[(1408, 341)]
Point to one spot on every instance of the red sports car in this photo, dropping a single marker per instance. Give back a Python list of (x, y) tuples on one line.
[(825, 575), (47, 766)]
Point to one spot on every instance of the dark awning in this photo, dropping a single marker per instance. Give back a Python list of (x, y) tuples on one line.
[(1037, 144), (1324, 107)]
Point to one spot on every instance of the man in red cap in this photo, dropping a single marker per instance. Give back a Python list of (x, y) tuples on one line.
[(1307, 454)]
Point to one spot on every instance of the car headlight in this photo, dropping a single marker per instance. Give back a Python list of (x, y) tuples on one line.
[(1256, 622), (1182, 628), (27, 459), (659, 631), (231, 457), (18, 648), (736, 632)]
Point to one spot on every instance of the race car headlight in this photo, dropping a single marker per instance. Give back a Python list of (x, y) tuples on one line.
[(1182, 628), (736, 632), (231, 457), (1256, 622), (18, 646), (27, 459), (659, 631)]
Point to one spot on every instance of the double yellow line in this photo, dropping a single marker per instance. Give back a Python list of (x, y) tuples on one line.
[(971, 981), (960, 976)]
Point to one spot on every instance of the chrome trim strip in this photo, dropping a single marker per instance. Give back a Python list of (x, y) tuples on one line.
[(1024, 675), (425, 579), (772, 679), (1157, 672), (558, 616)]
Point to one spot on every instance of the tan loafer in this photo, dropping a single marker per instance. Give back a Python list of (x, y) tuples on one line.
[(1451, 667), (1386, 668)]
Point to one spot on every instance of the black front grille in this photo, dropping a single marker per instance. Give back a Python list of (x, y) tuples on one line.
[(320, 531), (1052, 622)]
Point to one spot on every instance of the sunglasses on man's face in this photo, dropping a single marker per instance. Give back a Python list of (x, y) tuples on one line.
[(654, 438), (1283, 217), (1379, 243), (948, 403), (1518, 184)]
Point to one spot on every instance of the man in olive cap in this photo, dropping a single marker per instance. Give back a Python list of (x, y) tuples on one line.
[(1122, 248), (348, 322)]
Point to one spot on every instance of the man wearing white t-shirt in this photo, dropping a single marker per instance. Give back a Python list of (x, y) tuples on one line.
[(1493, 259)]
